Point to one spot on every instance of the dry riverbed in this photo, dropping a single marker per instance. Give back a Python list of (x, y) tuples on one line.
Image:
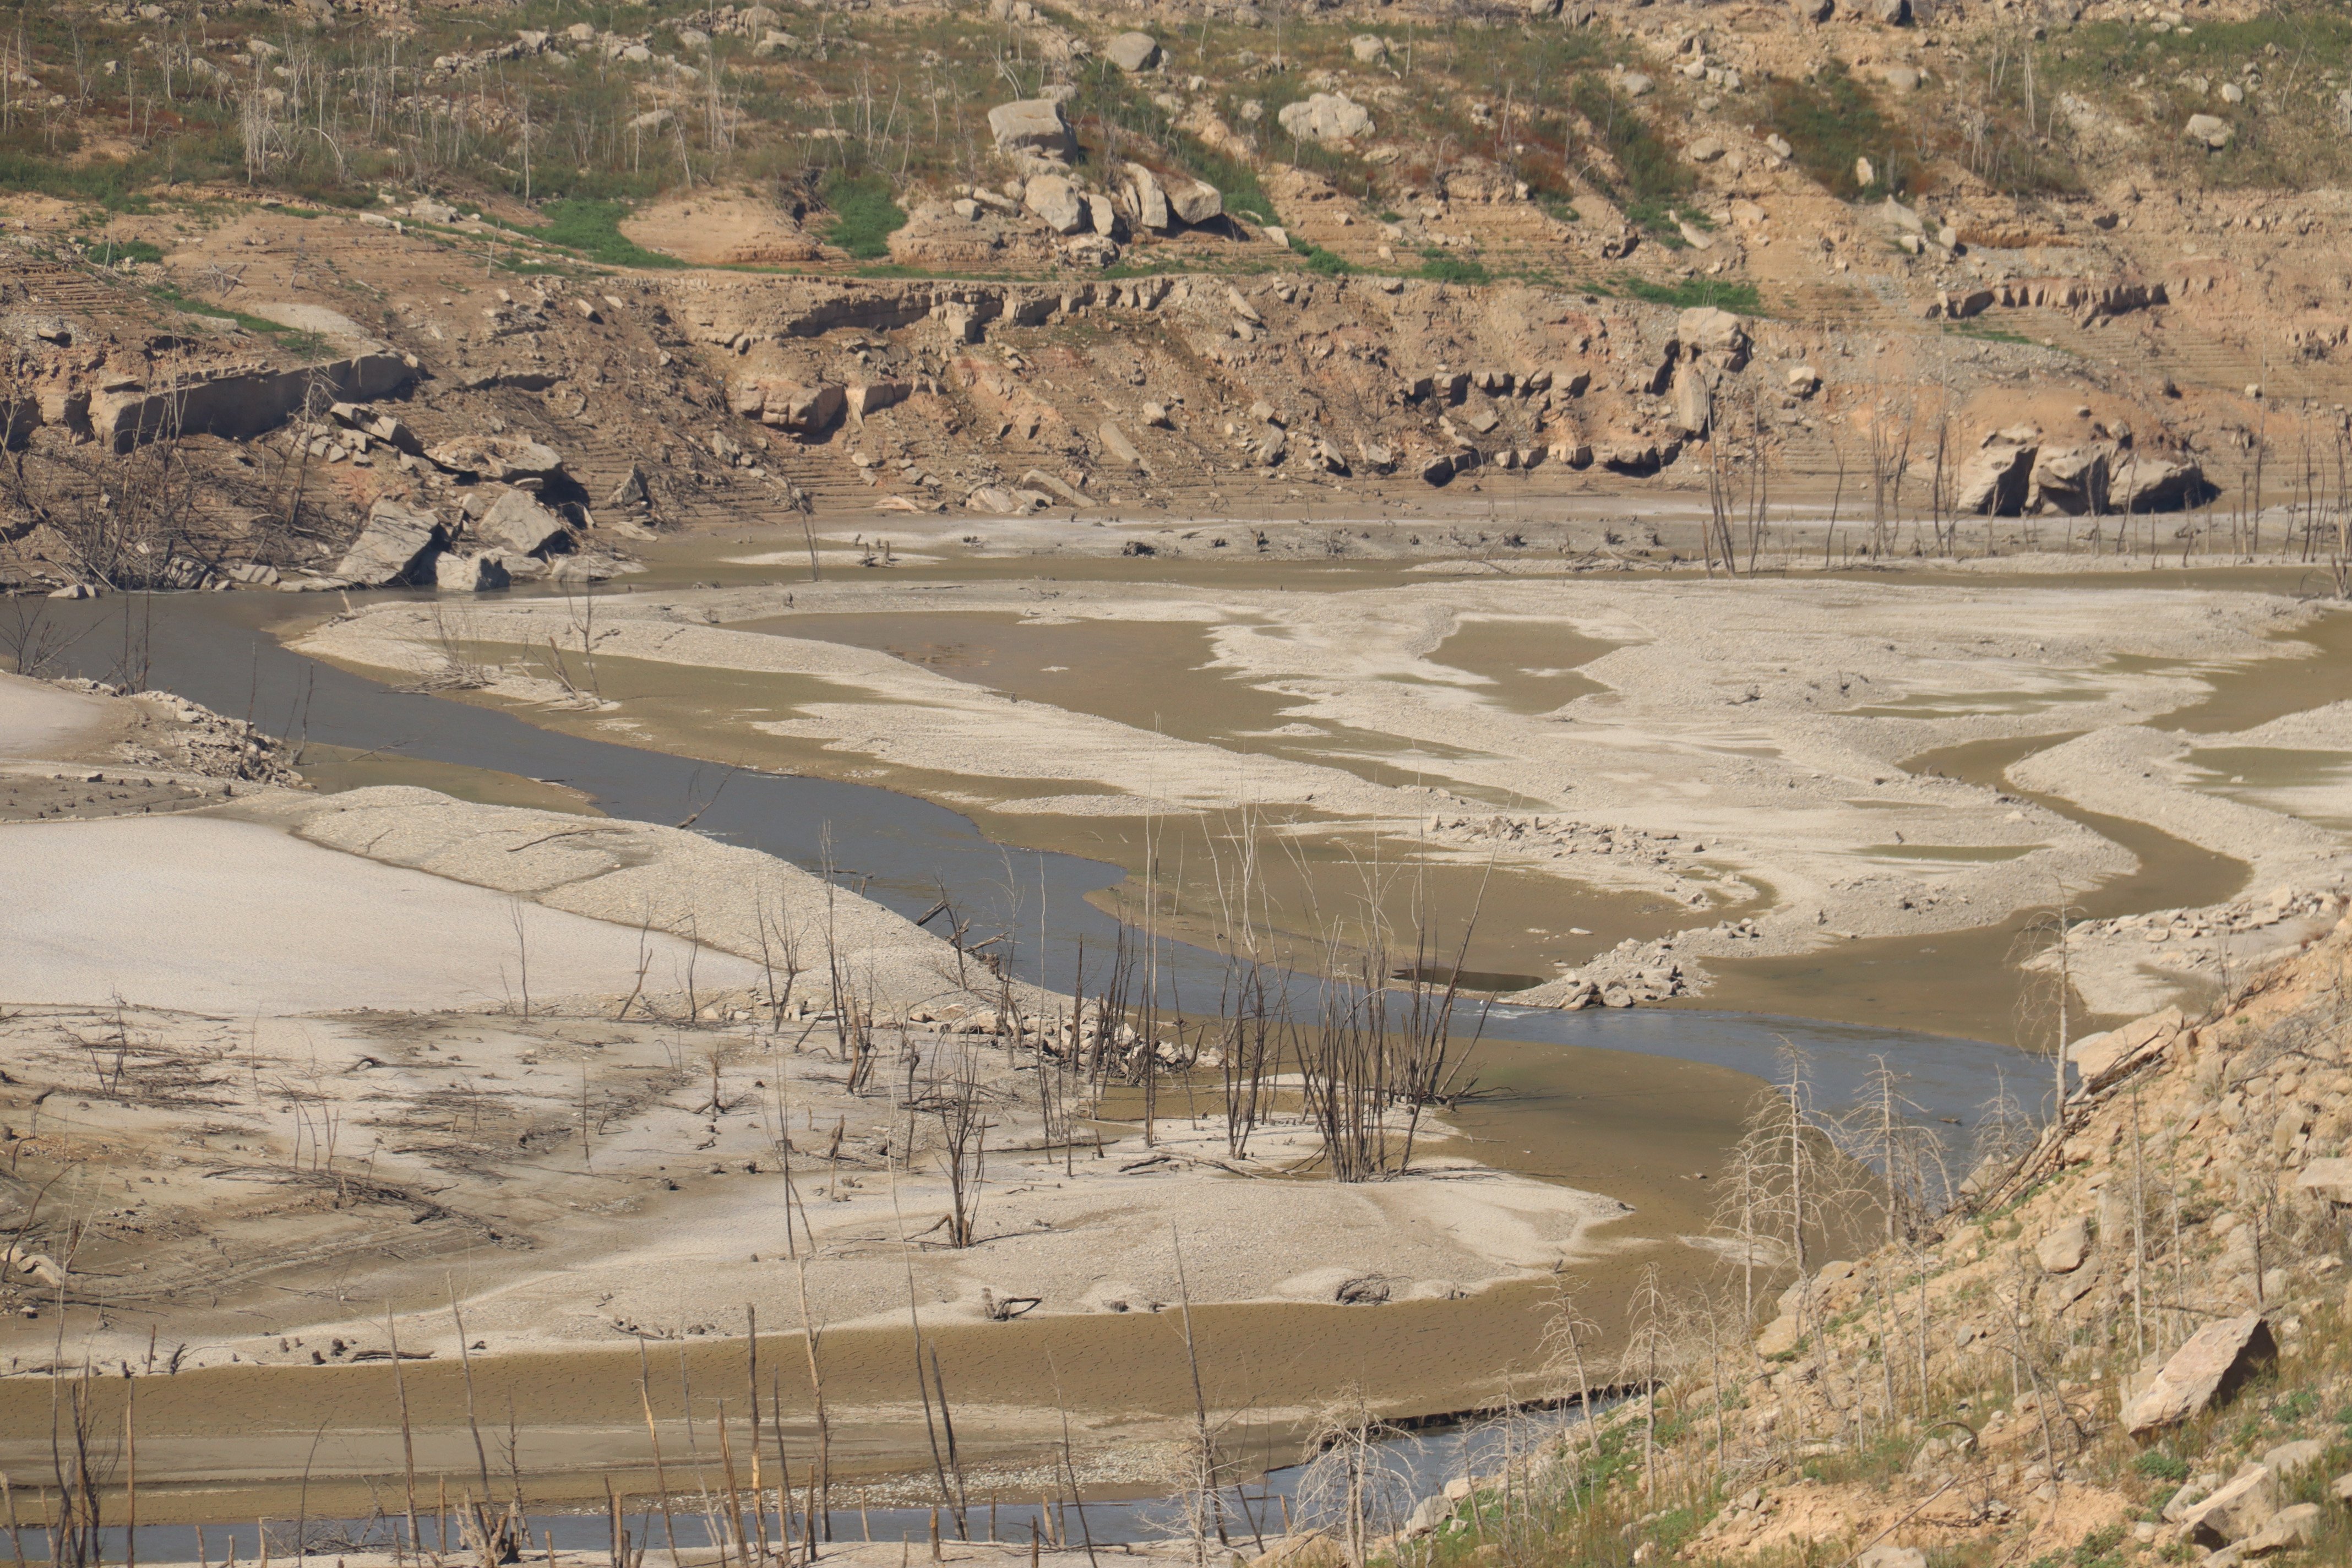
[(1645, 789), (291, 1076)]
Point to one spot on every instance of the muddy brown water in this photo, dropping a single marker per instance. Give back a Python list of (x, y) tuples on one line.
[(234, 1441)]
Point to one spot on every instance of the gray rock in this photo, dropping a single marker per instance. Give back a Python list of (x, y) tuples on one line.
[(1101, 216), (2289, 1460), (2289, 1530), (2142, 482), (1133, 51), (1032, 125), (1150, 202), (1706, 330), (875, 397), (2208, 1369), (1693, 402), (1438, 467), (803, 410), (505, 458), (1055, 202), (2063, 1245), (1635, 84), (2209, 129), (1370, 48), (2073, 480), (516, 524), (1994, 479), (456, 574), (397, 544), (1892, 13), (1196, 202), (2242, 1506), (1325, 117), (1121, 449)]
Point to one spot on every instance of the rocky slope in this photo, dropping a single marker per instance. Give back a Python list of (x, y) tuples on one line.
[(1223, 259), (2126, 1343)]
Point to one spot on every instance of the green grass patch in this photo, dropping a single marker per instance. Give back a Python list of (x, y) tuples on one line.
[(593, 229), (1442, 265), (1831, 123), (1988, 334), (865, 217), (1654, 180), (294, 340), (107, 252), (1318, 260), (1691, 292)]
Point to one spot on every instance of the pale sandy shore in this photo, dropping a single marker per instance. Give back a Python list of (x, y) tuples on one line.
[(1720, 748)]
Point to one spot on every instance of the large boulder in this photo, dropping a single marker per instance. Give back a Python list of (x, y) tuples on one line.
[(1995, 479), (1196, 202), (2072, 479), (1032, 125), (2289, 1530), (505, 458), (2141, 481), (1055, 202), (1147, 200), (2242, 1506), (1706, 330), (2208, 131), (456, 574), (2100, 1056), (1120, 450), (801, 410), (1325, 117), (395, 546), (1693, 402), (1133, 52), (2063, 1245), (2208, 1368), (875, 397), (517, 524)]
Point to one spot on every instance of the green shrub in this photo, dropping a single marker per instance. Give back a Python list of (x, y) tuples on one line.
[(1319, 259), (2157, 1464), (1442, 265), (1830, 122), (865, 217), (593, 229), (1654, 178), (1690, 292), (106, 252)]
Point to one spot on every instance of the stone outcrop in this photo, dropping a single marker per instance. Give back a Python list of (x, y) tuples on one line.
[(395, 546), (1033, 125), (1133, 52), (2216, 1359), (1995, 479), (1326, 117), (505, 458), (1055, 202), (517, 524)]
